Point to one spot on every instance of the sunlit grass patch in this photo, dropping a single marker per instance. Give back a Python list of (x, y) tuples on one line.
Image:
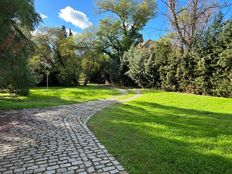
[(42, 97), (166, 132)]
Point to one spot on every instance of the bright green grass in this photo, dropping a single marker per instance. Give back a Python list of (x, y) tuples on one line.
[(41, 97), (165, 133)]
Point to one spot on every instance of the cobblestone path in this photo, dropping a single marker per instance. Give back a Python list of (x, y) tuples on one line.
[(56, 140)]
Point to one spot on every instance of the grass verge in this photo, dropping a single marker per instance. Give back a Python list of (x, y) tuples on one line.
[(165, 132), (41, 97)]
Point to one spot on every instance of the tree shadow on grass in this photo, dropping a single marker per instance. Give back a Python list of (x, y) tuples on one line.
[(53, 98), (168, 139), (202, 123), (37, 101)]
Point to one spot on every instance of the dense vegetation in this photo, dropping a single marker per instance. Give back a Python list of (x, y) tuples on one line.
[(167, 132), (206, 69), (194, 57)]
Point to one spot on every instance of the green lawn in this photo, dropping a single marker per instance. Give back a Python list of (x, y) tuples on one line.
[(41, 97), (166, 133)]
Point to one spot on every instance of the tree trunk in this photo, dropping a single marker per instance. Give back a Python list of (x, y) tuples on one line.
[(86, 81)]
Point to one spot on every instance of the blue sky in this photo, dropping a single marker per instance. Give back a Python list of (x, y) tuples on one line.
[(56, 13)]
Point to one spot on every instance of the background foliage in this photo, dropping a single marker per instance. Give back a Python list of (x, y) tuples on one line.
[(195, 56)]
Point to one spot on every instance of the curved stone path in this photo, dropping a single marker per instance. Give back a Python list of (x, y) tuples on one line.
[(56, 140)]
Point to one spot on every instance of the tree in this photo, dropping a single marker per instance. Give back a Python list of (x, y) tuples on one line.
[(223, 82), (90, 55), (136, 60), (206, 69), (155, 66), (118, 34), (189, 21), (214, 60), (57, 54), (70, 33), (167, 59), (17, 19)]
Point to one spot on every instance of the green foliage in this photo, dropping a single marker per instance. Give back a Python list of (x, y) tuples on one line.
[(213, 72), (141, 67), (36, 69), (89, 54), (17, 19), (153, 67), (206, 69), (15, 14), (100, 72), (167, 61), (55, 54), (200, 62), (15, 75), (70, 72), (118, 34), (68, 60)]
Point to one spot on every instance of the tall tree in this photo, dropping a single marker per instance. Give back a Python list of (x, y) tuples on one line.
[(57, 54), (122, 30), (70, 33), (190, 20), (90, 55), (214, 59), (17, 19)]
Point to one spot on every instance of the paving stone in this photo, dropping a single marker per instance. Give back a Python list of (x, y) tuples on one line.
[(52, 167), (50, 172), (77, 162), (114, 171), (108, 168), (19, 170), (90, 170), (41, 169), (65, 165), (8, 172), (56, 140), (32, 167), (87, 164), (61, 170)]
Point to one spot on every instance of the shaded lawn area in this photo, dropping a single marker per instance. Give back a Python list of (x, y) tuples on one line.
[(164, 132), (41, 97)]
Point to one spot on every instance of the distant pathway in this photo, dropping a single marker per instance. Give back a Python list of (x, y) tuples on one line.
[(56, 140)]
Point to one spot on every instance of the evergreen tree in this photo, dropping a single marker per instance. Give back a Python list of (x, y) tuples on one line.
[(207, 54), (17, 19), (70, 32)]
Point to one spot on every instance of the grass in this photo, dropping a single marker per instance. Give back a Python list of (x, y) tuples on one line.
[(41, 97), (169, 133)]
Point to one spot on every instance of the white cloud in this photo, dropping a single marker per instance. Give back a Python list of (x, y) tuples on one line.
[(74, 32), (35, 32), (43, 16), (77, 18)]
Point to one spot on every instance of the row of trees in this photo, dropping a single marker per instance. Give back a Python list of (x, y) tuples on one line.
[(195, 56), (95, 55), (66, 58)]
